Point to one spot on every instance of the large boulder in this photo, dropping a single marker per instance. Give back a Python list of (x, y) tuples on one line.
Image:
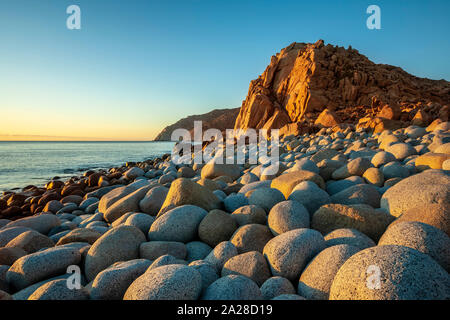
[(9, 255), (31, 241), (251, 264), (286, 182), (126, 204), (310, 195), (155, 249), (286, 216), (251, 237), (184, 191), (153, 200), (41, 265), (213, 170), (361, 217), (390, 273), (289, 252), (117, 193), (179, 224), (170, 282), (315, 281), (221, 254), (275, 286), (233, 287), (249, 214), (431, 160), (117, 244), (111, 283), (42, 223), (435, 214), (58, 290), (216, 227), (351, 237), (80, 235), (428, 187), (358, 194), (265, 198), (422, 237)]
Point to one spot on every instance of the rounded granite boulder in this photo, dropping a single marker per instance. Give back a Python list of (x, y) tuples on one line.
[(179, 224), (251, 237), (276, 286), (169, 282), (422, 237), (217, 226), (251, 264), (265, 198), (426, 188), (289, 252), (249, 214), (286, 216), (118, 244), (351, 237), (233, 287), (390, 272), (315, 281)]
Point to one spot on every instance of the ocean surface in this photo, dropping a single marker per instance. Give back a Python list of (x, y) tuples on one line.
[(32, 162)]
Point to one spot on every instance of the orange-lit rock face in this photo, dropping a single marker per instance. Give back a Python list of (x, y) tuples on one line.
[(305, 79)]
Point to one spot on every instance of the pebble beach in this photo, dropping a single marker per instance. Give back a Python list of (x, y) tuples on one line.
[(349, 215)]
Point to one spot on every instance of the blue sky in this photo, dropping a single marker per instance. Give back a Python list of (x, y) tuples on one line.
[(136, 66)]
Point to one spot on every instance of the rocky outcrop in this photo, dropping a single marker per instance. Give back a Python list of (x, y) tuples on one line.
[(221, 119), (302, 80)]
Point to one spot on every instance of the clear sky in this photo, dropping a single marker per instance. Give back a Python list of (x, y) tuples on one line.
[(138, 65)]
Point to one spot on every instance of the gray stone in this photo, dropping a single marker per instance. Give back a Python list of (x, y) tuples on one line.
[(207, 271), (315, 281), (250, 264), (111, 283), (221, 254), (118, 244), (382, 158), (351, 237), (126, 204), (422, 237), (179, 224), (142, 221), (42, 223), (266, 198), (289, 252), (30, 241), (216, 227), (276, 286), (249, 214), (197, 250), (358, 194), (235, 201), (401, 150), (428, 187), (251, 237), (153, 200), (40, 265), (155, 249), (171, 282), (233, 287), (310, 195), (58, 290), (405, 274), (286, 216)]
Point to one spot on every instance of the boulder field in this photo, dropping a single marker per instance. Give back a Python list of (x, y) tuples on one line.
[(350, 214)]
